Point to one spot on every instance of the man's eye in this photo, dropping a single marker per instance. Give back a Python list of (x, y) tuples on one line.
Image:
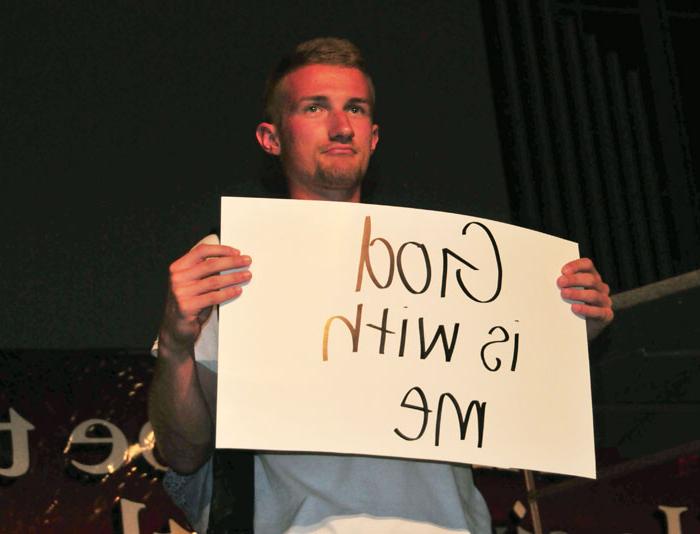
[(356, 109), (313, 108)]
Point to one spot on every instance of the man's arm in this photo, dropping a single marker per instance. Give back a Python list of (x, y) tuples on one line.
[(179, 410), (580, 281)]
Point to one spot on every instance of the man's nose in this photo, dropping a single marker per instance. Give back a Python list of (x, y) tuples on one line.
[(340, 129)]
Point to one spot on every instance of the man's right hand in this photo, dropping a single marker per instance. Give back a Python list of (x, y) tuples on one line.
[(182, 401), (196, 284)]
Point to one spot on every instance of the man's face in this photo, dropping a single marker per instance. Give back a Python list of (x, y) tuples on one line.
[(325, 131)]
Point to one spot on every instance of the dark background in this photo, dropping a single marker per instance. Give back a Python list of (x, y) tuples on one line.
[(124, 122)]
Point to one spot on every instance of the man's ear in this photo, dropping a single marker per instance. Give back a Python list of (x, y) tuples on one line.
[(374, 139), (268, 138)]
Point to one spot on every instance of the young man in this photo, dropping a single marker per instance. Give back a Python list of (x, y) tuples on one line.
[(319, 122)]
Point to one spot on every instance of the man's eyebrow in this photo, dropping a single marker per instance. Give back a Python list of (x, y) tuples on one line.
[(358, 100), (314, 98), (324, 99)]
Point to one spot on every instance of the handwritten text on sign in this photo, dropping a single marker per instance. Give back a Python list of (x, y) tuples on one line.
[(400, 332)]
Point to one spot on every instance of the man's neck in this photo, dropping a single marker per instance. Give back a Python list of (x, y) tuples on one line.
[(343, 195)]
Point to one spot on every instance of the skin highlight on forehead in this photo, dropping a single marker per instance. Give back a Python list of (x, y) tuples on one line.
[(281, 103)]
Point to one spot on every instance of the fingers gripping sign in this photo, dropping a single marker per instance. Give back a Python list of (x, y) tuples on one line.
[(581, 282), (204, 277)]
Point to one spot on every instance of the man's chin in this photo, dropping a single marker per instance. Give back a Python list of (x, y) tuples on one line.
[(339, 180)]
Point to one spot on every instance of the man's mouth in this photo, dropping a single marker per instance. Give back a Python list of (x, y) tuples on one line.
[(339, 150)]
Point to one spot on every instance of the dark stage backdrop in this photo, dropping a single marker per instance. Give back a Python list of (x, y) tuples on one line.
[(124, 122)]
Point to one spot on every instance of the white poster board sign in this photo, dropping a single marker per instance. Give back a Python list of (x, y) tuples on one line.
[(400, 332)]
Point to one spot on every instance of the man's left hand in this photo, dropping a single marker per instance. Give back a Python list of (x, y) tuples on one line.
[(581, 282)]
